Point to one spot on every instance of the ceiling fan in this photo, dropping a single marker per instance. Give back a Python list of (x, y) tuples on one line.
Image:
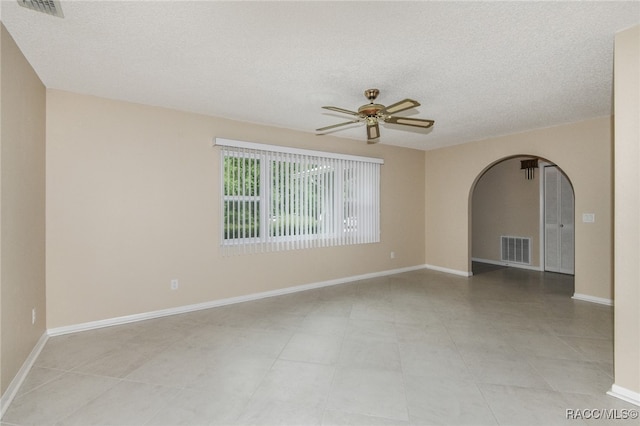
[(372, 114)]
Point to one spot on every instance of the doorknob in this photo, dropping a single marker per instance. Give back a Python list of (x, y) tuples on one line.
[(562, 225)]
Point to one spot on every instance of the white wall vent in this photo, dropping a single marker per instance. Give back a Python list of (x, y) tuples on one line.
[(516, 249), (50, 7)]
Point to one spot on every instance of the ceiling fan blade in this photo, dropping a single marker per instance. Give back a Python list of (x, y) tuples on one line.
[(322, 129), (342, 110), (373, 131), (416, 122), (401, 106)]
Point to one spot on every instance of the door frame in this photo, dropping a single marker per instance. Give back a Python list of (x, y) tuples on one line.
[(543, 258)]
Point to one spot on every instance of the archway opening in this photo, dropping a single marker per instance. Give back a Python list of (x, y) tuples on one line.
[(522, 218)]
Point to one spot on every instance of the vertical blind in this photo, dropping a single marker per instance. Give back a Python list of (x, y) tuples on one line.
[(276, 198)]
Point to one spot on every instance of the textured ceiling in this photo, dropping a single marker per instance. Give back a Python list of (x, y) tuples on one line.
[(479, 69)]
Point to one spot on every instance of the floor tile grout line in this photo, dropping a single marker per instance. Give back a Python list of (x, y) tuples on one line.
[(325, 408), (19, 394), (484, 398), (88, 402), (271, 368)]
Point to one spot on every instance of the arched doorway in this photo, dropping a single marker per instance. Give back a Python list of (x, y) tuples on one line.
[(522, 219)]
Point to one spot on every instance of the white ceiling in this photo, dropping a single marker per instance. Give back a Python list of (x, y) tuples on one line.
[(479, 69)]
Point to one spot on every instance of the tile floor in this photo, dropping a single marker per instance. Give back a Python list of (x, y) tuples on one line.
[(506, 347)]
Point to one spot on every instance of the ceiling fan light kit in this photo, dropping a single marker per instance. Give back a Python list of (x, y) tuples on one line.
[(373, 113)]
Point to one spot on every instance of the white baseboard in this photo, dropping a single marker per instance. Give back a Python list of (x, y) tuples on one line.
[(220, 302), (510, 265), (625, 394), (592, 299), (15, 384), (449, 271)]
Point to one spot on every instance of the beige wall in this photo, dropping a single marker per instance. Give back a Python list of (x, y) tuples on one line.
[(627, 210), (505, 203), (133, 202), (582, 150), (22, 210)]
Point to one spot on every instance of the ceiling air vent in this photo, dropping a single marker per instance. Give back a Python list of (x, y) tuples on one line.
[(50, 7)]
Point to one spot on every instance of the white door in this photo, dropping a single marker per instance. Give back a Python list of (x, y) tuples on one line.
[(559, 229)]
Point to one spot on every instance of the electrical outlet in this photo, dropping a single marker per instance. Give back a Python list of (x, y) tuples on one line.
[(392, 255), (33, 316), (174, 284)]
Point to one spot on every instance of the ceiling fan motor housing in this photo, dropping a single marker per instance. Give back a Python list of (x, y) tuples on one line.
[(370, 110)]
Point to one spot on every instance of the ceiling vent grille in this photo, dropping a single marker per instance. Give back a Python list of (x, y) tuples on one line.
[(50, 7)]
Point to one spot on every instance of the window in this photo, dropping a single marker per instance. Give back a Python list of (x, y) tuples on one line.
[(276, 198)]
